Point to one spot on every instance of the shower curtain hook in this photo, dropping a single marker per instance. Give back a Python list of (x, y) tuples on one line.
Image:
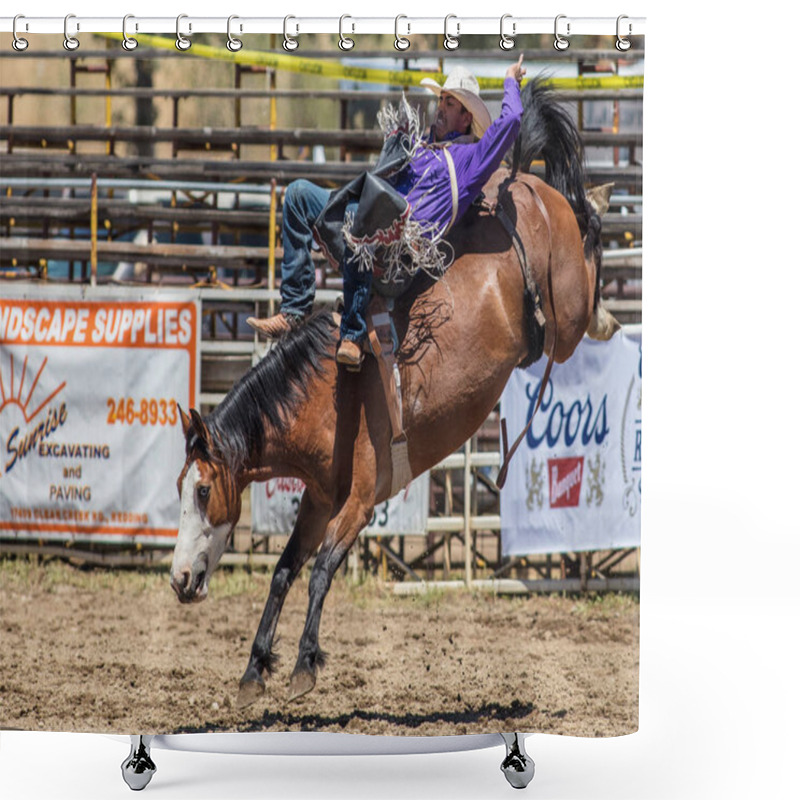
[(507, 42), (400, 42), (622, 44), (451, 42), (233, 44), (70, 42), (345, 42), (560, 43), (181, 42), (128, 42), (19, 44), (289, 43)]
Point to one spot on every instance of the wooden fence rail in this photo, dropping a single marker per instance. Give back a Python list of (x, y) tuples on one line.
[(42, 212), (67, 136), (49, 212), (83, 165), (191, 257)]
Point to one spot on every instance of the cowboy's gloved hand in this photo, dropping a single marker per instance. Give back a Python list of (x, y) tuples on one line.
[(516, 71)]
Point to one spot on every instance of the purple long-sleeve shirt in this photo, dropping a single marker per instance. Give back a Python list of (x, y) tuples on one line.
[(426, 180)]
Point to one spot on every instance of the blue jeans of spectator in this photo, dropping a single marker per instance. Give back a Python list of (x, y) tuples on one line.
[(357, 284), (302, 204)]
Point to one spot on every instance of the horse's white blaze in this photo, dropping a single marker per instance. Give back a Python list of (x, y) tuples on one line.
[(200, 545)]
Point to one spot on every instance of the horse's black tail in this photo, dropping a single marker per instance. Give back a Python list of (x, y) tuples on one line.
[(548, 133)]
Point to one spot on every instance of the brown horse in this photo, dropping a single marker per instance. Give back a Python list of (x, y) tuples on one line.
[(297, 414)]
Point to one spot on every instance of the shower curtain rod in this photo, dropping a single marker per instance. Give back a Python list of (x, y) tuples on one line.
[(452, 26)]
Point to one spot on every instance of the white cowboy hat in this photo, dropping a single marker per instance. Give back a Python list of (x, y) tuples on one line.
[(463, 85)]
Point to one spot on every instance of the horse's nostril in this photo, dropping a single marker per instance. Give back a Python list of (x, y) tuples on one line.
[(201, 577), (180, 581)]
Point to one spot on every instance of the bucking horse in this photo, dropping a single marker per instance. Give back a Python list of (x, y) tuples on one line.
[(524, 284)]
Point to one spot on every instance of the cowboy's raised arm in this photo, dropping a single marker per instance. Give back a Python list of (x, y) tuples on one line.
[(485, 156)]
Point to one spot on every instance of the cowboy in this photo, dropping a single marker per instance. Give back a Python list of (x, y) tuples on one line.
[(440, 181)]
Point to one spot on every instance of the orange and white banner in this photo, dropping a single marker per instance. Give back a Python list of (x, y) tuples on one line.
[(90, 436)]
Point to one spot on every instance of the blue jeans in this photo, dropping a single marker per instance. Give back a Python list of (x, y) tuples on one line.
[(357, 284), (302, 204)]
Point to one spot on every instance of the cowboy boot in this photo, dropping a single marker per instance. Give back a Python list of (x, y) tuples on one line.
[(277, 325), (349, 355)]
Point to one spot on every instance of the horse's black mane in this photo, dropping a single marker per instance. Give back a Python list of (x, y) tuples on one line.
[(273, 388)]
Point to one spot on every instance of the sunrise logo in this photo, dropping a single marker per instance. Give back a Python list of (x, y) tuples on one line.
[(28, 413)]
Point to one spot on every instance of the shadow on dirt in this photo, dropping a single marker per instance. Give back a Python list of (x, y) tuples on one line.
[(492, 712)]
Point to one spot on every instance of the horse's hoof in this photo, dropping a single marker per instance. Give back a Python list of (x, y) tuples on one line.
[(249, 692), (301, 683)]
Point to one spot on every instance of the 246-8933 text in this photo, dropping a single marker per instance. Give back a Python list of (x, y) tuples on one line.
[(147, 411)]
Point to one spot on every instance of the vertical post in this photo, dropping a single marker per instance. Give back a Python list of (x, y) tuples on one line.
[(584, 572), (468, 511), (273, 112), (175, 150), (175, 120), (383, 570), (615, 123), (237, 101), (353, 559), (108, 97), (343, 115), (73, 75), (10, 144), (273, 202), (448, 512), (93, 228)]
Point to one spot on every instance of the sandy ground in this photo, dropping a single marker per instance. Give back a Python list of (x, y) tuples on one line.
[(114, 652)]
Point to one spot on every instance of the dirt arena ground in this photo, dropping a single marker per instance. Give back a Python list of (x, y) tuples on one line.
[(114, 652)]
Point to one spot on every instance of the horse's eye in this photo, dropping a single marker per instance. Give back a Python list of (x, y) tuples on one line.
[(203, 492)]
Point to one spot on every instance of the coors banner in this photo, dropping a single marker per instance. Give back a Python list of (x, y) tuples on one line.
[(575, 481)]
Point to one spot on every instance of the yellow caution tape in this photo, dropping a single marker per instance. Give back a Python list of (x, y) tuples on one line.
[(335, 70)]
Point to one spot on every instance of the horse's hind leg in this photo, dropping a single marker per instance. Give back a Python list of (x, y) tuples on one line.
[(342, 532), (306, 536)]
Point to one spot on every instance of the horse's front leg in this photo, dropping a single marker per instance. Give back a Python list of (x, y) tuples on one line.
[(306, 536), (342, 532)]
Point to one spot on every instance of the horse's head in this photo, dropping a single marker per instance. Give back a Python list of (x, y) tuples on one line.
[(210, 506)]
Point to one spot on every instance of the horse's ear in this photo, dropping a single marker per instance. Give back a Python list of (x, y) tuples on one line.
[(198, 425), (186, 421), (600, 197)]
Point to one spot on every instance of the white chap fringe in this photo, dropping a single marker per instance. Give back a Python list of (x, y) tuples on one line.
[(405, 120), (416, 248), (410, 246)]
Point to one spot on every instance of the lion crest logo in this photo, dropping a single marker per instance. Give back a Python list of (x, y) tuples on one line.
[(534, 482), (596, 480)]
